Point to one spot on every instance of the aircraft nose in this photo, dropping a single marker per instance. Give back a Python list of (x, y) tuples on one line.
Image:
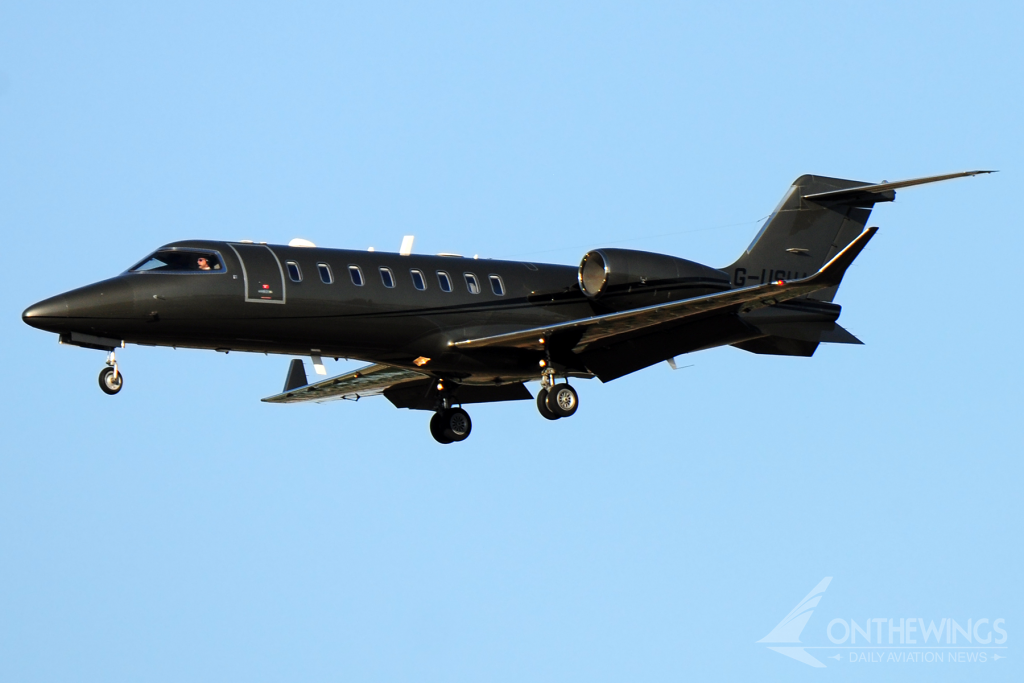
[(46, 311)]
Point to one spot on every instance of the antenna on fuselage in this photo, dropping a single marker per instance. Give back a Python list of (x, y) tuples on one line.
[(406, 249)]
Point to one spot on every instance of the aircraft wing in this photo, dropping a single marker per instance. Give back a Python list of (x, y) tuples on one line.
[(371, 380), (604, 327)]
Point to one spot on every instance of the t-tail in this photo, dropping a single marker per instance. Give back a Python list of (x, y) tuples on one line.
[(816, 219)]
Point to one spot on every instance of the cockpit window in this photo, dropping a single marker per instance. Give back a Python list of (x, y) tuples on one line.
[(173, 261)]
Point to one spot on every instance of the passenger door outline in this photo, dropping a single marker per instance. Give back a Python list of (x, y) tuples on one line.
[(245, 275)]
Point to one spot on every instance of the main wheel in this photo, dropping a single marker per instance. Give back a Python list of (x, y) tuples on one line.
[(457, 424), (437, 429), (109, 383), (542, 405), (562, 400)]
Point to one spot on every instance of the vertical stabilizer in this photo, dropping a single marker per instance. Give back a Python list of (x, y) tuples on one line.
[(802, 235)]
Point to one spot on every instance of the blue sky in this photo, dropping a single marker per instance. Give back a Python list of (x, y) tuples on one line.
[(183, 530)]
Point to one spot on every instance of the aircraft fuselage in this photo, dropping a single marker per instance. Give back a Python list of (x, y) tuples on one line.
[(307, 310)]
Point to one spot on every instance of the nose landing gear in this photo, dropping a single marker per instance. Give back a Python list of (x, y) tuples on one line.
[(111, 379)]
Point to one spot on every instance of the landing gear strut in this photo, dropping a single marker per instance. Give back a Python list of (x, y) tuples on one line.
[(111, 379)]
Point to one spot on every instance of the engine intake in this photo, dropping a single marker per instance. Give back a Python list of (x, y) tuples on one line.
[(608, 271)]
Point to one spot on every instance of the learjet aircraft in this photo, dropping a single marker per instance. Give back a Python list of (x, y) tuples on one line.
[(441, 332)]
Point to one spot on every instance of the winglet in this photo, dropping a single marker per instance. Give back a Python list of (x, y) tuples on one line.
[(296, 376)]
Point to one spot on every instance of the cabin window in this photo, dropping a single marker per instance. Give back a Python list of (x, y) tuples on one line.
[(356, 274), (497, 286), (294, 272), (326, 276), (444, 281), (175, 261), (472, 284), (418, 281), (387, 277)]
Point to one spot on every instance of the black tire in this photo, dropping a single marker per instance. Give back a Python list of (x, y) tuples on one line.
[(437, 429), (542, 405), (108, 384), (457, 424), (562, 400)]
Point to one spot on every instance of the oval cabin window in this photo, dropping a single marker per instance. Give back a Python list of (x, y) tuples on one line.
[(356, 274), (444, 281), (497, 286), (418, 281)]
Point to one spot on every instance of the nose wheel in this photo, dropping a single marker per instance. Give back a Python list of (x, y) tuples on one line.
[(111, 379)]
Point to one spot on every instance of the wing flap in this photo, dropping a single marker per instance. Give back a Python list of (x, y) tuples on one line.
[(603, 327), (371, 380)]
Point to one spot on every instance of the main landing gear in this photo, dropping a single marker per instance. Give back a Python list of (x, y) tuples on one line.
[(555, 401), (111, 379), (450, 424)]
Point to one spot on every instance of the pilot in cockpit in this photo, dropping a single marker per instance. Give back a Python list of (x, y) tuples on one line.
[(204, 264)]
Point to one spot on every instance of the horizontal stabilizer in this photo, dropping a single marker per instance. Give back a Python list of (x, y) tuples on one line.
[(796, 339), (840, 335), (779, 346), (881, 192)]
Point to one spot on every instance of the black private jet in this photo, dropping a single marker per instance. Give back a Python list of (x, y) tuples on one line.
[(444, 331)]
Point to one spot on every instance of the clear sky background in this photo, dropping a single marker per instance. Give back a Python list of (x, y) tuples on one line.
[(183, 530)]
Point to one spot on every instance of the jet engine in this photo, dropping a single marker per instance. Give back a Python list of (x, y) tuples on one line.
[(612, 271)]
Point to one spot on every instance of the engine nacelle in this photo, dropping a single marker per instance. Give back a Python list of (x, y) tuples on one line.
[(612, 271)]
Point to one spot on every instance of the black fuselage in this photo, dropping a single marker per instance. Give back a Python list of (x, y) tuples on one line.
[(253, 302)]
